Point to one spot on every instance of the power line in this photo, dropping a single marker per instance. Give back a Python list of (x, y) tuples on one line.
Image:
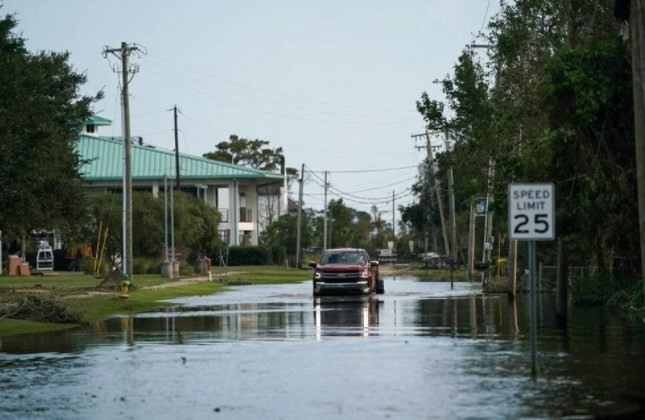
[(210, 75), (485, 16), (295, 117), (256, 98), (366, 170)]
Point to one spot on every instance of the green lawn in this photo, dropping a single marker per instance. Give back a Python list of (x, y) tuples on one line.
[(439, 274), (76, 291)]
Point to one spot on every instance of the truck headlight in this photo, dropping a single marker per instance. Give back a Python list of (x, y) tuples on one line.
[(365, 274), (317, 275)]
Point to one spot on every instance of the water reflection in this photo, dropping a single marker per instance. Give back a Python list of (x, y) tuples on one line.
[(346, 316), (453, 353)]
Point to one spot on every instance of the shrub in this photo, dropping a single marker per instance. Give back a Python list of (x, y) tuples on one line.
[(248, 255), (278, 253), (186, 269), (145, 265), (589, 291), (87, 266)]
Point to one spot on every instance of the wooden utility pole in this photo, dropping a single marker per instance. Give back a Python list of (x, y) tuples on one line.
[(301, 181), (471, 243), (123, 53), (393, 220), (176, 150), (437, 188), (325, 218), (453, 218), (637, 28)]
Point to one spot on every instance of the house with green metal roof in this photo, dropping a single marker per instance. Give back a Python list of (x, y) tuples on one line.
[(232, 189)]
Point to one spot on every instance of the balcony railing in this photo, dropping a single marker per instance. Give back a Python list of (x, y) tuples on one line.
[(246, 215), (224, 214)]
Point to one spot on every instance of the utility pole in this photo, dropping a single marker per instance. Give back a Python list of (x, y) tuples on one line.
[(437, 188), (393, 218), (512, 244), (325, 218), (434, 184), (451, 198), (488, 224), (176, 150), (453, 221), (637, 29), (301, 181), (471, 243), (123, 53)]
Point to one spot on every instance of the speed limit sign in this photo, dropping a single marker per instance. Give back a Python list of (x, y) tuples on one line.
[(531, 212)]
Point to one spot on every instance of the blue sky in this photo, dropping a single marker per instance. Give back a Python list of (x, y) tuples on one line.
[(334, 83)]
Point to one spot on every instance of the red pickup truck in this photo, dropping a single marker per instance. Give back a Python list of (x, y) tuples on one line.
[(345, 271)]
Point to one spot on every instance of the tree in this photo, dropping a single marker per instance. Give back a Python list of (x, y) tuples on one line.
[(196, 224), (41, 115), (253, 153), (282, 233)]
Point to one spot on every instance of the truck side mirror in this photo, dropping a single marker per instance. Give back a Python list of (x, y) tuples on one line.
[(313, 264), (374, 263)]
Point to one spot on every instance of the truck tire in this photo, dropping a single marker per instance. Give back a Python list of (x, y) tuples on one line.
[(380, 286)]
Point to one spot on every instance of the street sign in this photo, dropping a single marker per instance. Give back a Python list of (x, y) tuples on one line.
[(531, 217), (531, 212)]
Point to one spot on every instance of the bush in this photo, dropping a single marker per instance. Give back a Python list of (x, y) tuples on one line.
[(87, 266), (248, 255), (278, 253), (589, 291), (186, 269), (143, 265)]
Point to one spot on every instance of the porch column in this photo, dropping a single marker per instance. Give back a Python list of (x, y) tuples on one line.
[(234, 212), (252, 203)]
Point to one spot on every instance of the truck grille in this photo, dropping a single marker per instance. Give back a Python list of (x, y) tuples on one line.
[(340, 277)]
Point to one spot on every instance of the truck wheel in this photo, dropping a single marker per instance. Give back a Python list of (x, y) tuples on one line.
[(380, 286)]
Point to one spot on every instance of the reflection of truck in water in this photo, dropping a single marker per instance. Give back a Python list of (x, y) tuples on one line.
[(346, 316), (346, 271)]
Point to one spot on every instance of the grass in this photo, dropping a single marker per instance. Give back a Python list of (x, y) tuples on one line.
[(73, 291), (20, 326), (439, 274)]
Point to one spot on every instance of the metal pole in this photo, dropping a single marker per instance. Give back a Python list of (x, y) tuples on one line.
[(533, 308), (302, 175), (165, 215)]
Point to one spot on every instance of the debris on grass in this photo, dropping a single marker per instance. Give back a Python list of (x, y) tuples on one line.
[(40, 309)]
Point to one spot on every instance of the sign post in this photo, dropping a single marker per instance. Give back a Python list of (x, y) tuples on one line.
[(531, 217)]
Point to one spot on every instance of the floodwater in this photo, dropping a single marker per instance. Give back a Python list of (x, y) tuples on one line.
[(421, 350)]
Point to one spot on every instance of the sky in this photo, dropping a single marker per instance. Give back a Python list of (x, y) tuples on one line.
[(333, 82)]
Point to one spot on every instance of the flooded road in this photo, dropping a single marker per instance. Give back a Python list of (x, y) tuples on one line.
[(421, 350)]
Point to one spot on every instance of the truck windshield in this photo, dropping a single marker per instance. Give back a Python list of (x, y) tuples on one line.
[(350, 257)]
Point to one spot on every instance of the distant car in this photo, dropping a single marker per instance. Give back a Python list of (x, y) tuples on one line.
[(346, 271)]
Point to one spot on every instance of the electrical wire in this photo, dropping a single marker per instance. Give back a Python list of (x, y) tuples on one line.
[(279, 114), (365, 170), (256, 98), (210, 75)]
